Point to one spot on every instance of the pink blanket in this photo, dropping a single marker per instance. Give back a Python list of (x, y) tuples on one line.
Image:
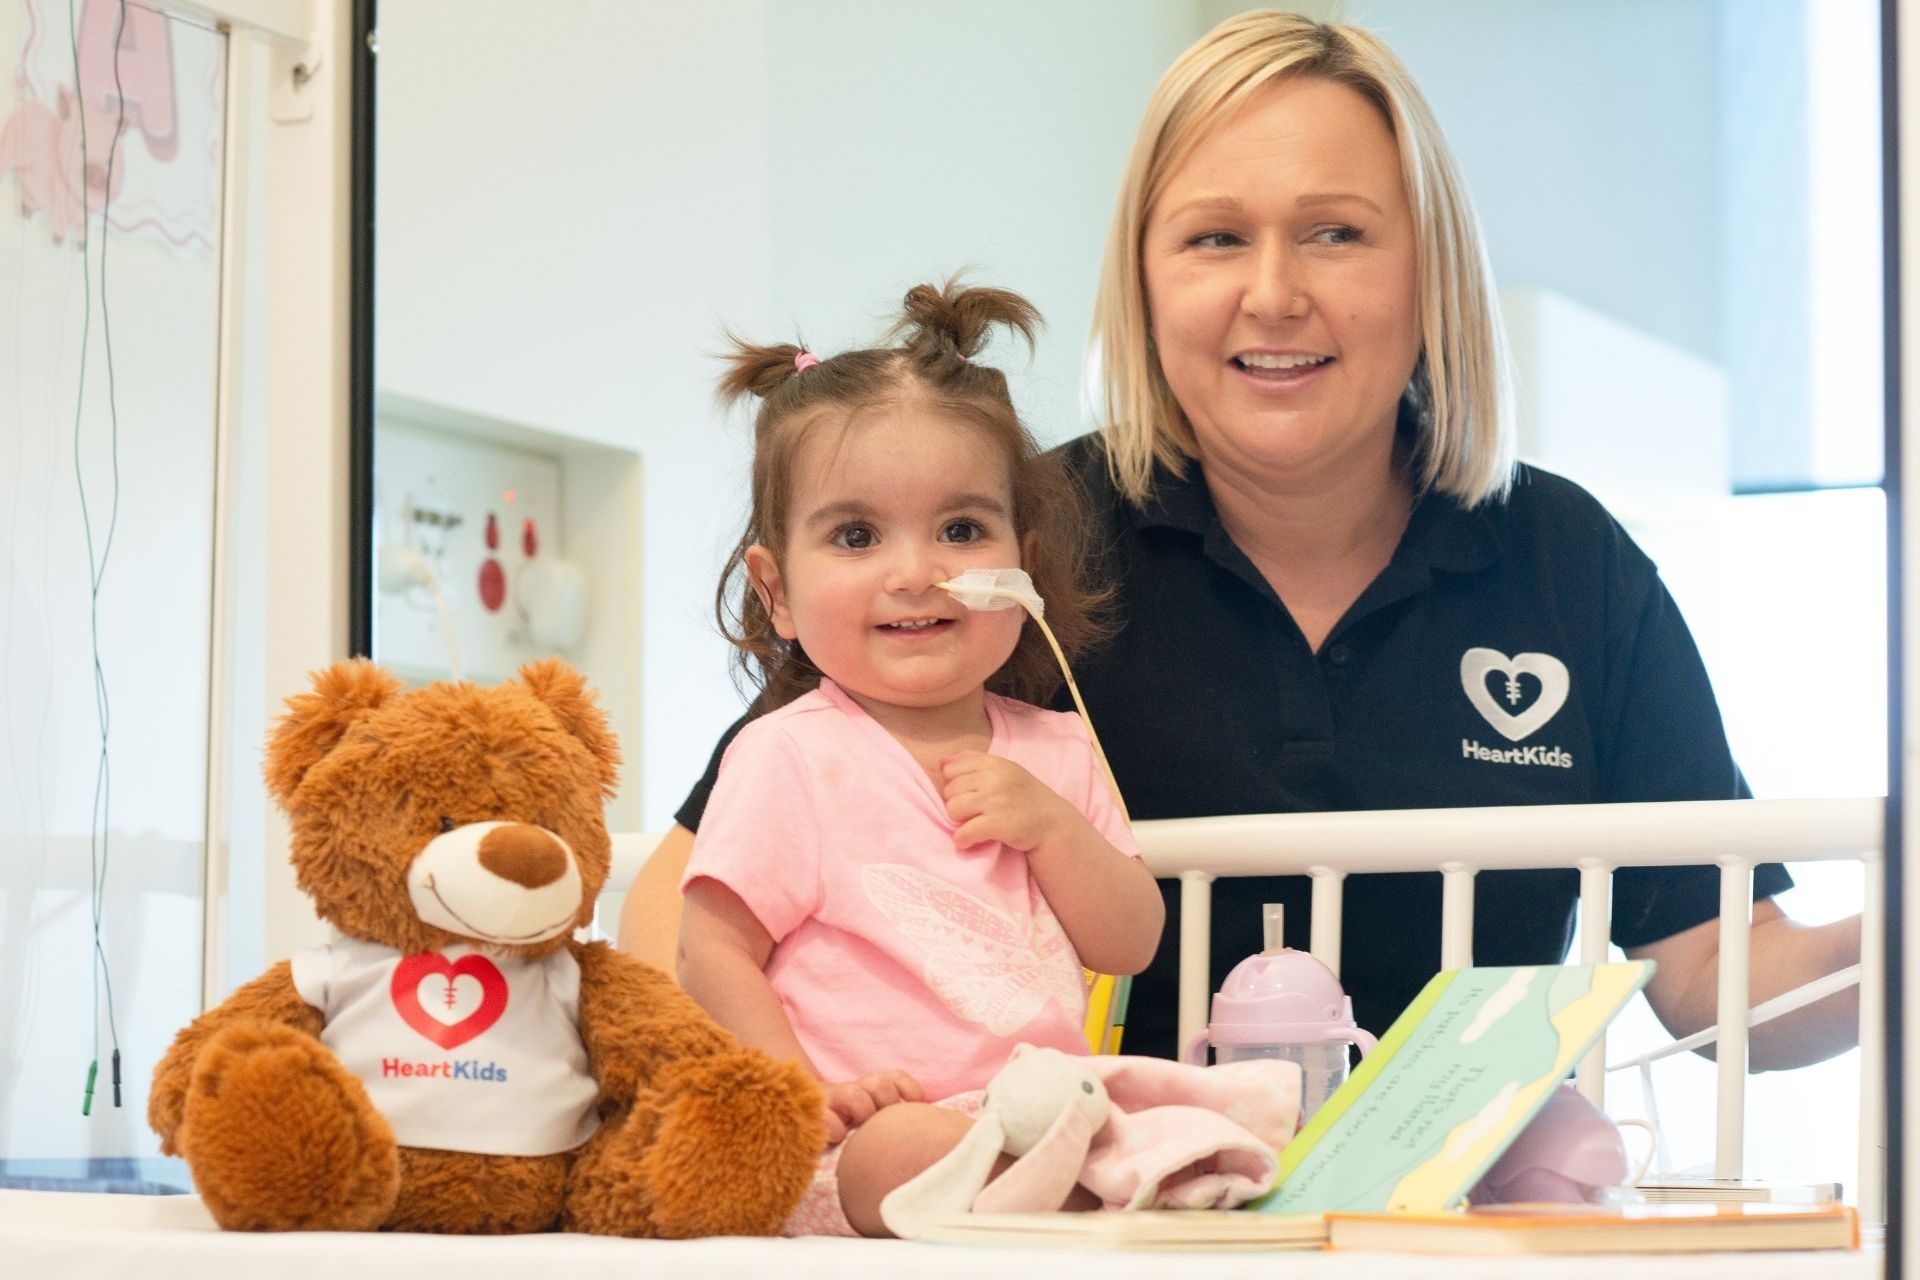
[(1140, 1133), (1174, 1137)]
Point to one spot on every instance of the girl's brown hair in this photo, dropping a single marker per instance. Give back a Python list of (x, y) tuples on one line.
[(930, 368)]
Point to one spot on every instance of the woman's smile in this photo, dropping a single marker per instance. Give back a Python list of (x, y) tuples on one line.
[(1282, 369)]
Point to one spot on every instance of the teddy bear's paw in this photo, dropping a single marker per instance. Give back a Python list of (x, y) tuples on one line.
[(281, 1138), (727, 1146), (607, 1189)]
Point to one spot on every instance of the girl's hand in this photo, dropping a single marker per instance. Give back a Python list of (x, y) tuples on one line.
[(992, 798), (1107, 903), (851, 1103)]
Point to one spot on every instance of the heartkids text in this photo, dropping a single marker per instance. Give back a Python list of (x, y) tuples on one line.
[(466, 1069), (1552, 756)]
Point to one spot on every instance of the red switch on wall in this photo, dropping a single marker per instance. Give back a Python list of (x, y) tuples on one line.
[(493, 579)]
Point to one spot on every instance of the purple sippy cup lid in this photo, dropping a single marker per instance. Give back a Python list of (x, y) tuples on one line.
[(1282, 996)]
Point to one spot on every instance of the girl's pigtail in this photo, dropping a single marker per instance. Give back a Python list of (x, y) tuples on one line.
[(766, 660), (754, 370), (944, 326)]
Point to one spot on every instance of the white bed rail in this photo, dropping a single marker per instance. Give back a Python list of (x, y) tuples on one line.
[(1734, 835)]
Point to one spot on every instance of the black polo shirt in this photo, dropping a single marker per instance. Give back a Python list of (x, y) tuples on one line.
[(1524, 652)]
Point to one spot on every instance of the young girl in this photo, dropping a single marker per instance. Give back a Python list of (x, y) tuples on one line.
[(903, 868)]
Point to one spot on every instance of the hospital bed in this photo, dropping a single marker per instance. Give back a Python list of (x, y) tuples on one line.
[(53, 1234)]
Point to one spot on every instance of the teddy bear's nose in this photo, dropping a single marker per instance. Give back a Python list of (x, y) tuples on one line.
[(525, 855)]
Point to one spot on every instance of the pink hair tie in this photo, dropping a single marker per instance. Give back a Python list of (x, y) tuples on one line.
[(805, 361)]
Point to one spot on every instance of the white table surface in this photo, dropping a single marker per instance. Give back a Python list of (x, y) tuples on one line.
[(47, 1235)]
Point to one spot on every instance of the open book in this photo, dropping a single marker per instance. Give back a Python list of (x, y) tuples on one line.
[(1627, 1228), (1153, 1230), (1449, 1087)]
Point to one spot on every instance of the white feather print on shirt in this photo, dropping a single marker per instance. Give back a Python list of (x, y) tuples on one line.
[(987, 966)]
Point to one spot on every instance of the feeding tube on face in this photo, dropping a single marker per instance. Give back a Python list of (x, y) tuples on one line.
[(996, 589)]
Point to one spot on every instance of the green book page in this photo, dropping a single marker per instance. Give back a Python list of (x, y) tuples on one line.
[(1455, 1079)]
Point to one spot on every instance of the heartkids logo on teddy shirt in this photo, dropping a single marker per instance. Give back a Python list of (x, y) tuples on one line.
[(460, 1050), (449, 1002)]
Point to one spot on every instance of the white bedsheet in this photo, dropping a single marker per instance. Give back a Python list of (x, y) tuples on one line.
[(48, 1235)]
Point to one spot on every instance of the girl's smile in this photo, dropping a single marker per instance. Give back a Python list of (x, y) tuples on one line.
[(915, 626)]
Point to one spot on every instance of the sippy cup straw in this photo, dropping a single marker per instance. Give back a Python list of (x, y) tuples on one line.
[(1005, 589)]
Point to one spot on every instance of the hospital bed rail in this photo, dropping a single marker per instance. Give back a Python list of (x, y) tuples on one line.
[(1596, 840)]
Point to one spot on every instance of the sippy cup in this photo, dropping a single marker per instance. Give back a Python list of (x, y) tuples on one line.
[(1286, 1004)]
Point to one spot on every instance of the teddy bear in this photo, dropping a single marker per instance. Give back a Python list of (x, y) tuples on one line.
[(455, 1060)]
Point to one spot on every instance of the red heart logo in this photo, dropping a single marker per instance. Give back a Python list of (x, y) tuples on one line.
[(450, 1033)]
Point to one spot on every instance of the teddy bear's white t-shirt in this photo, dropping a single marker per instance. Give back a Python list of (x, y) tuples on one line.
[(459, 1050)]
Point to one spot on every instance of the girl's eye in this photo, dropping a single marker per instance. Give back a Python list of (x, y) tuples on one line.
[(854, 537), (1215, 240), (962, 531), (446, 824)]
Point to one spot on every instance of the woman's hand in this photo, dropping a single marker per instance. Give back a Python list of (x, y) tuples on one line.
[(851, 1103), (992, 798)]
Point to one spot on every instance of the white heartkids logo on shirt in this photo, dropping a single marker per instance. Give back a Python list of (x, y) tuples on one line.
[(1512, 724)]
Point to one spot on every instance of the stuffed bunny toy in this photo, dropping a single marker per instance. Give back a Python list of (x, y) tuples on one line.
[(1138, 1132)]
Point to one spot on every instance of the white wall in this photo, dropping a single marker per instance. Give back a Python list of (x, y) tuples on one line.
[(566, 210), (1589, 136), (988, 137), (570, 211)]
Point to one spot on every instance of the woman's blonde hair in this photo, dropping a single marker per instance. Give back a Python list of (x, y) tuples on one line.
[(940, 329), (1461, 392)]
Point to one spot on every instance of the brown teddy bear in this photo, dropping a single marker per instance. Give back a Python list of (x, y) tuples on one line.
[(457, 1062)]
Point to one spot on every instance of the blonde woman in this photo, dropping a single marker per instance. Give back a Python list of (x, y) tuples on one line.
[(1335, 590)]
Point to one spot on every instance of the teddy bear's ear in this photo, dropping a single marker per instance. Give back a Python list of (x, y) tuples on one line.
[(316, 721), (565, 692)]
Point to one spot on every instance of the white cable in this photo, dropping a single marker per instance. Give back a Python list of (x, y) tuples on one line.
[(1764, 1012), (446, 627), (1003, 589), (401, 569)]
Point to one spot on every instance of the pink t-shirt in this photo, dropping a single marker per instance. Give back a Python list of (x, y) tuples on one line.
[(892, 948)]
